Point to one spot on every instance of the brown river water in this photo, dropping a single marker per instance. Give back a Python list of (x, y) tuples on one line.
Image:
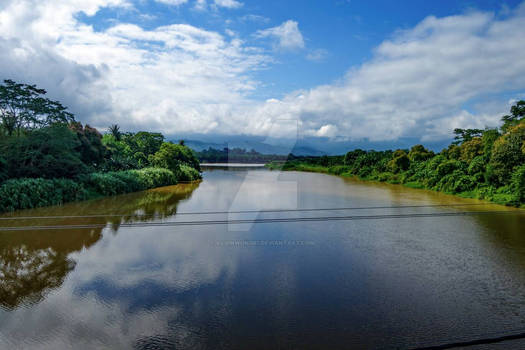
[(216, 265)]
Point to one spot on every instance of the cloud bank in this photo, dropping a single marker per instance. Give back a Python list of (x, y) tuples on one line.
[(179, 78)]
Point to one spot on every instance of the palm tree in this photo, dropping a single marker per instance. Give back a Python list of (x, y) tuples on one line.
[(115, 131)]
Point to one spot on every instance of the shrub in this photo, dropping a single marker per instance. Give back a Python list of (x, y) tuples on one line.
[(155, 177), (471, 149), (339, 169), (171, 156), (187, 173), (118, 182), (518, 183), (33, 193), (3, 170), (419, 153), (507, 153), (399, 162), (48, 153), (106, 184)]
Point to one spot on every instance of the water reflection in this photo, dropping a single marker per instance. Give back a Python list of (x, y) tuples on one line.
[(34, 262), (361, 285)]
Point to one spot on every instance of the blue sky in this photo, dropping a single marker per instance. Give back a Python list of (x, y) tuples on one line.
[(347, 71), (343, 32)]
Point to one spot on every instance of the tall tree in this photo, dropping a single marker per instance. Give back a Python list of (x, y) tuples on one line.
[(114, 130), (24, 106)]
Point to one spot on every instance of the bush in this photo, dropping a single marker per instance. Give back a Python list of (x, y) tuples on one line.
[(33, 193), (187, 173), (155, 177), (3, 170), (49, 153), (518, 183), (118, 182), (399, 162), (339, 169), (172, 156)]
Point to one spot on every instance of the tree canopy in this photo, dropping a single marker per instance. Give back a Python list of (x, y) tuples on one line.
[(24, 106)]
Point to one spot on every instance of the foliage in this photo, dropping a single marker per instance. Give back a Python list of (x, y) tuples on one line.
[(399, 162), (32, 193), (172, 156), (24, 107), (465, 135), (518, 184), (471, 149), (507, 153), (517, 113), (3, 169), (92, 151), (114, 130), (235, 155), (49, 158), (187, 173), (485, 164), (131, 150), (419, 153), (50, 152)]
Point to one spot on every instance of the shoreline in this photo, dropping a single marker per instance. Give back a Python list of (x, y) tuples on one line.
[(414, 185)]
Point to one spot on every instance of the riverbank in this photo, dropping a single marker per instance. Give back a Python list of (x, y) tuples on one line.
[(501, 195), (28, 193)]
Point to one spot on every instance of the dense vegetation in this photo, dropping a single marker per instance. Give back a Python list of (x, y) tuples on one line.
[(48, 158), (236, 155), (485, 164)]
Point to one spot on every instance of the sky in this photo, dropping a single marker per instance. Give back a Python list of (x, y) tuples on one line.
[(330, 70)]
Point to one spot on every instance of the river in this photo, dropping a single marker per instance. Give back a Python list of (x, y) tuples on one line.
[(185, 267)]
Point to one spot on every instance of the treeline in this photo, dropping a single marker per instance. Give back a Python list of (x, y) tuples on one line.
[(236, 155), (485, 164), (48, 158)]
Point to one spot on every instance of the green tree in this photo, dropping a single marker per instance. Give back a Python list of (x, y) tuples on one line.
[(517, 113), (419, 153), (24, 106), (3, 170), (507, 153), (399, 162), (114, 130), (471, 149), (50, 152), (92, 151), (463, 135), (172, 156)]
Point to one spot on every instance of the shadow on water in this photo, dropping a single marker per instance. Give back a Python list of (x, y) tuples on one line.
[(34, 262)]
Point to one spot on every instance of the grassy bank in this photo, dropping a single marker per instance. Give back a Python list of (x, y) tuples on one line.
[(451, 183), (26, 193)]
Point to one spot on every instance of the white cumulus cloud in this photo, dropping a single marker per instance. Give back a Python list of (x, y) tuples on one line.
[(288, 35), (178, 78)]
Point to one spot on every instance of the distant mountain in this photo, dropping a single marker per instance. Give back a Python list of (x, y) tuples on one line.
[(258, 146), (307, 146)]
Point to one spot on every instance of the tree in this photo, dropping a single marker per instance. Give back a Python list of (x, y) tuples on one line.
[(399, 162), (507, 153), (172, 156), (92, 151), (463, 135), (50, 152), (517, 113), (471, 149), (114, 130), (419, 153), (24, 106), (3, 169), (351, 156)]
